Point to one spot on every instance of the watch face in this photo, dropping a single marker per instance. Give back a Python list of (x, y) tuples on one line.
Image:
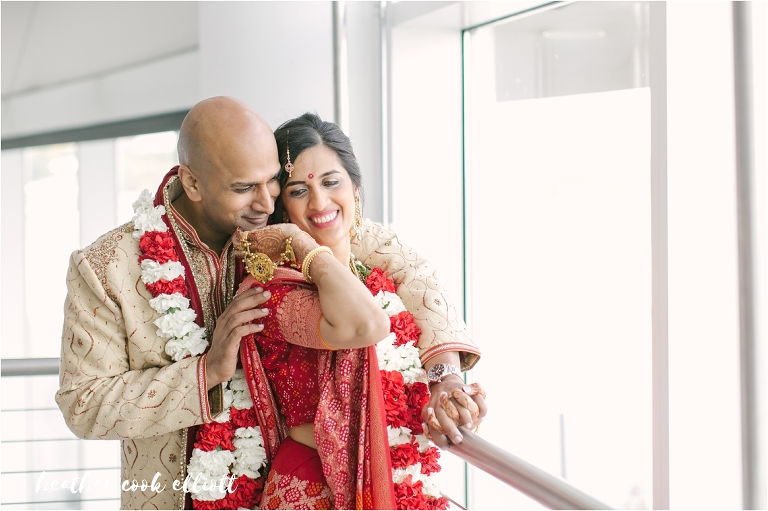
[(436, 372)]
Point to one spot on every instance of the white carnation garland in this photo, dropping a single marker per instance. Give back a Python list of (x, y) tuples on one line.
[(177, 320), (186, 338), (209, 467)]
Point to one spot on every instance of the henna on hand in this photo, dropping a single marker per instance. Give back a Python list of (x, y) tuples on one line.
[(473, 389), (433, 423), (269, 240), (318, 269), (467, 402), (303, 245), (450, 409)]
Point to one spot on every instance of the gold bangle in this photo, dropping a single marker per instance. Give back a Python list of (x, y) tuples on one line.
[(308, 260), (320, 335)]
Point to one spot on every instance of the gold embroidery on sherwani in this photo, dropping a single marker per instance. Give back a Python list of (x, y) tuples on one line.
[(197, 259), (116, 380), (227, 281), (215, 283), (183, 468), (104, 252)]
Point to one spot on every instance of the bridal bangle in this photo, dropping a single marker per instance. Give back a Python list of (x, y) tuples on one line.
[(308, 260)]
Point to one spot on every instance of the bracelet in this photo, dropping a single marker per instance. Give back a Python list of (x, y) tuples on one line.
[(288, 255), (437, 372), (308, 260), (258, 265)]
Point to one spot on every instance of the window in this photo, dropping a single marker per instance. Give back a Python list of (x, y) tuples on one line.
[(559, 256), (56, 199)]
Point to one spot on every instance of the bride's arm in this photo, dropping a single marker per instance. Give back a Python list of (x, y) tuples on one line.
[(351, 316), (442, 328)]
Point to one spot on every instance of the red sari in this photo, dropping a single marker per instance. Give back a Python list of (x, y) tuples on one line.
[(344, 385)]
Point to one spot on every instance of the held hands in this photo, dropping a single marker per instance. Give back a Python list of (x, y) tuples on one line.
[(453, 403)]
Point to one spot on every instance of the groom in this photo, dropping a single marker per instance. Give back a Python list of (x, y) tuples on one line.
[(117, 380)]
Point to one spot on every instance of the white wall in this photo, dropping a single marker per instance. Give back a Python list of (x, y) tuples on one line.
[(12, 298), (704, 398), (276, 56), (162, 86)]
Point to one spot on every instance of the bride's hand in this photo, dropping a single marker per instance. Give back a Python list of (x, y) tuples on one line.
[(269, 240)]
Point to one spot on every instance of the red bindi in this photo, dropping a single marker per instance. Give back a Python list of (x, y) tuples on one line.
[(311, 176)]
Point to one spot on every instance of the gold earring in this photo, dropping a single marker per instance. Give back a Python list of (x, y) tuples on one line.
[(358, 218), (286, 219)]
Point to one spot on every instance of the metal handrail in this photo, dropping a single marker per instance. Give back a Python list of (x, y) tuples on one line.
[(30, 367), (521, 475)]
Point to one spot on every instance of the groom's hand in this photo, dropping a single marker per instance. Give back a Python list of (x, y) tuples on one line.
[(234, 323), (452, 404)]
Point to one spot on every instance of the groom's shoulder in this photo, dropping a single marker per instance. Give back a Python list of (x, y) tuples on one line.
[(113, 247), (110, 241)]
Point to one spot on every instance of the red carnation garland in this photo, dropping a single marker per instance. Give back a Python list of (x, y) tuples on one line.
[(157, 245), (403, 404)]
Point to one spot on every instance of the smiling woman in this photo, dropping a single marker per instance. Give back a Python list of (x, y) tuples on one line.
[(354, 400), (322, 193), (320, 198)]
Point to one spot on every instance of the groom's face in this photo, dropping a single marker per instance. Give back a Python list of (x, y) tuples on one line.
[(239, 187)]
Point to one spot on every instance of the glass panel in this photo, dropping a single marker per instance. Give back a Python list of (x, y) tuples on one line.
[(140, 163), (40, 453), (589, 47), (558, 189), (51, 233)]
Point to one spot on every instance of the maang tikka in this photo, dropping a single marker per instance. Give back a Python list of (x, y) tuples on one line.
[(288, 164)]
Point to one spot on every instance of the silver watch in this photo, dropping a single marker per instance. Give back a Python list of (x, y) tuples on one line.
[(437, 372)]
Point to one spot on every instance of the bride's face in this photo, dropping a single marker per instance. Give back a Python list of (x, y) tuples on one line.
[(319, 196)]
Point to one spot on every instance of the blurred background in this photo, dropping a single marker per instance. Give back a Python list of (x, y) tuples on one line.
[(568, 167)]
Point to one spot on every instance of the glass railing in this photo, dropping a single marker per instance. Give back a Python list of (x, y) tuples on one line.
[(45, 466)]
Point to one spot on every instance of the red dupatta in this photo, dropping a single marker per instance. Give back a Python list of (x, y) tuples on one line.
[(350, 426)]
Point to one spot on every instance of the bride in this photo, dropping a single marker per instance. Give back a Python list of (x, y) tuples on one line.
[(335, 375)]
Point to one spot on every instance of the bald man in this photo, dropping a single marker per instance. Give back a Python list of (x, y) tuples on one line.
[(125, 374)]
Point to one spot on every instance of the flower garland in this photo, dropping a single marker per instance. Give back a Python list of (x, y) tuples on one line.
[(229, 450), (405, 390), (223, 470), (163, 275)]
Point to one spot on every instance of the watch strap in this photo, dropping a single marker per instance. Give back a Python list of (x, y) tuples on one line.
[(439, 371)]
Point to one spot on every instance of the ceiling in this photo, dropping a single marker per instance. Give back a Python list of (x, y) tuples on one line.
[(51, 43)]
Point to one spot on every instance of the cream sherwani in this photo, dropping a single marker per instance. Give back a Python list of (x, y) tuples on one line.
[(116, 381)]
